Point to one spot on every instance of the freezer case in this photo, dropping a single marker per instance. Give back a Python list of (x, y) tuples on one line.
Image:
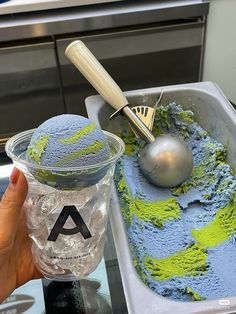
[(216, 115)]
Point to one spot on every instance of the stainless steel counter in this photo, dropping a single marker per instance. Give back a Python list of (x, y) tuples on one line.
[(19, 6), (95, 17)]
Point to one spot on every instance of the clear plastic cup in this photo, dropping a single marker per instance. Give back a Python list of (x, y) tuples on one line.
[(66, 209)]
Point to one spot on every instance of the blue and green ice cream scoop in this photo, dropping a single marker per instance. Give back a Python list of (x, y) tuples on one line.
[(66, 141)]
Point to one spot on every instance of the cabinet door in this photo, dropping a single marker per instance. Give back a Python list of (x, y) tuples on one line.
[(137, 58), (29, 87)]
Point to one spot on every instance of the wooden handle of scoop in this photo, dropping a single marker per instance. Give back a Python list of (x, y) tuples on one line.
[(94, 72)]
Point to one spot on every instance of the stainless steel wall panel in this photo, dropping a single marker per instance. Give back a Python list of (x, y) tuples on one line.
[(97, 17), (138, 58), (140, 43), (29, 87)]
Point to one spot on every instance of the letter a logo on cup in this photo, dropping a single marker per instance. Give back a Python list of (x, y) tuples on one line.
[(61, 220)]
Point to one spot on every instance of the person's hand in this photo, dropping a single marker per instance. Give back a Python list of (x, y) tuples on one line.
[(16, 263)]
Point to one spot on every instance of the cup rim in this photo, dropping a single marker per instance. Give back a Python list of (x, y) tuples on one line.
[(22, 162)]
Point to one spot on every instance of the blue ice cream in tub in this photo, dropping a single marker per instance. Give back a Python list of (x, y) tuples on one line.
[(182, 239)]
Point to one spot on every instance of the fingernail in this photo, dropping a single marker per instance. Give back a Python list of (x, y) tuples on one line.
[(14, 176)]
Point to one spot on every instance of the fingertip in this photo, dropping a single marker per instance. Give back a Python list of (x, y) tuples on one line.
[(14, 177), (22, 183), (11, 207), (17, 188), (18, 180)]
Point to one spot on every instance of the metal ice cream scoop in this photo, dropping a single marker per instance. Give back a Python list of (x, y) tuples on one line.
[(166, 160)]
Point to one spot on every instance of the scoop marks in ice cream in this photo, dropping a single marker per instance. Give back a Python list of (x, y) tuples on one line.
[(68, 140)]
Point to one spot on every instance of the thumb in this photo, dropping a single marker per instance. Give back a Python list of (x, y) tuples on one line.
[(10, 207)]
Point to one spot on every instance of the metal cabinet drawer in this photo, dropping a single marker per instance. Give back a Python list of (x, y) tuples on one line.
[(137, 58), (29, 87)]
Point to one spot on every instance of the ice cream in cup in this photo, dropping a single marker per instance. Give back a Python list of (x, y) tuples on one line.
[(69, 164)]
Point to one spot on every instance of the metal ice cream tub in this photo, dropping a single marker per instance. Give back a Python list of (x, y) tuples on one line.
[(214, 113)]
